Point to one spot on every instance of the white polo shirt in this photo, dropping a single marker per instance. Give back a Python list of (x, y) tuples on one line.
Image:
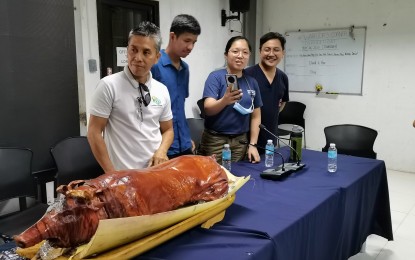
[(131, 139)]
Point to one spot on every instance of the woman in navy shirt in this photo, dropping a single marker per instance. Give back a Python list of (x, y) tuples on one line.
[(231, 115)]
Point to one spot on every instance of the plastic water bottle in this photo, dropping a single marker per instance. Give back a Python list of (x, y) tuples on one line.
[(226, 157), (269, 154), (332, 158)]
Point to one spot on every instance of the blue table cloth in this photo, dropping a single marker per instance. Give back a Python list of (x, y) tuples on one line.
[(312, 214)]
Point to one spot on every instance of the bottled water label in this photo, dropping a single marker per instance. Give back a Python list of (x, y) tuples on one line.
[(226, 155), (332, 154), (226, 158)]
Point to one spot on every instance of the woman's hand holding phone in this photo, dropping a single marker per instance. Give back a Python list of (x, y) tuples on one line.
[(232, 96), (233, 92)]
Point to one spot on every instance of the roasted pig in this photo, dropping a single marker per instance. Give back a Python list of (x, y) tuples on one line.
[(179, 182)]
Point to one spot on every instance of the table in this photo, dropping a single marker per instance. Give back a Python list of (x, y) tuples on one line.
[(312, 214)]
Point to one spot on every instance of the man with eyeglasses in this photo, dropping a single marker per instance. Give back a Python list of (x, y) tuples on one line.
[(273, 82), (130, 126), (173, 72)]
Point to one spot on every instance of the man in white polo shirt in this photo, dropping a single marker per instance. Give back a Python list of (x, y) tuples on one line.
[(130, 125)]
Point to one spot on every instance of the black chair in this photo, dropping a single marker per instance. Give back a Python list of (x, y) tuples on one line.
[(74, 160), (196, 126), (17, 182), (292, 114), (201, 105), (350, 139)]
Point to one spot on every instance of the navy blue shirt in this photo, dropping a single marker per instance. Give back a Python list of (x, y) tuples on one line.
[(271, 94), (230, 121), (177, 82)]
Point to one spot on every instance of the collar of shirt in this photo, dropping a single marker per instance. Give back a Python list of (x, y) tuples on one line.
[(134, 82), (165, 60)]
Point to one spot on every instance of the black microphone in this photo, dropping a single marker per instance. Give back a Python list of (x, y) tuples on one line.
[(273, 151), (291, 166)]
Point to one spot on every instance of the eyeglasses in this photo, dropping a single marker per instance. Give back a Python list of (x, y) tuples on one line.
[(144, 98), (274, 51), (244, 53)]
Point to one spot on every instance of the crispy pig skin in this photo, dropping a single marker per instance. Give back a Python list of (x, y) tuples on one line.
[(178, 182)]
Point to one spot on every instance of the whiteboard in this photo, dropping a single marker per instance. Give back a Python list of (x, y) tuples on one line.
[(333, 58)]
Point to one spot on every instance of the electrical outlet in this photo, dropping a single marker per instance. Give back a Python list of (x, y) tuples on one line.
[(92, 65)]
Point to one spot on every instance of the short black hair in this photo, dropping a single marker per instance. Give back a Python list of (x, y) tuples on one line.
[(270, 36), (147, 29), (184, 23)]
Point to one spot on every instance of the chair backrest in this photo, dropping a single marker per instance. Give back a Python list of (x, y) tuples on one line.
[(74, 160), (16, 173), (17, 181), (196, 126), (201, 105), (293, 113), (350, 139)]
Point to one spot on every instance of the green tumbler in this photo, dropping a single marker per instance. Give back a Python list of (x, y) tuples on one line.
[(296, 138)]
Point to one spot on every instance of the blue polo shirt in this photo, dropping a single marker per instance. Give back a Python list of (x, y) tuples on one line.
[(177, 82), (228, 120)]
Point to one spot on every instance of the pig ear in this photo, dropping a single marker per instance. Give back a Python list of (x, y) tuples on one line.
[(74, 184), (63, 189)]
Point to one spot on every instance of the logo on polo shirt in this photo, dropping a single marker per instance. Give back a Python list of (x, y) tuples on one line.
[(251, 92), (156, 100)]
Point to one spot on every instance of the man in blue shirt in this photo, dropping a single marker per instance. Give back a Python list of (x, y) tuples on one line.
[(173, 72)]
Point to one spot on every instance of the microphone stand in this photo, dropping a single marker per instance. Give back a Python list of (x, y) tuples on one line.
[(274, 152), (293, 166), (281, 171)]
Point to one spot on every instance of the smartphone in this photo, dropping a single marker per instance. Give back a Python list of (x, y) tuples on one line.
[(232, 80)]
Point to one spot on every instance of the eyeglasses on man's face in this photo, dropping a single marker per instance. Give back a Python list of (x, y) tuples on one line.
[(275, 51)]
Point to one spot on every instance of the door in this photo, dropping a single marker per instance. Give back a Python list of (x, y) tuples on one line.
[(115, 19)]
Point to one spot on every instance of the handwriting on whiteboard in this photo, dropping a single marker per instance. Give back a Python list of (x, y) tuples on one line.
[(329, 57)]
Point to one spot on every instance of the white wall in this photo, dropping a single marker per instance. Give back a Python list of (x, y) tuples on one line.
[(387, 103)]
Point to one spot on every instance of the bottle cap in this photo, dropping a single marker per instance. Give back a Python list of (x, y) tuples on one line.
[(269, 141), (226, 145), (332, 145)]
